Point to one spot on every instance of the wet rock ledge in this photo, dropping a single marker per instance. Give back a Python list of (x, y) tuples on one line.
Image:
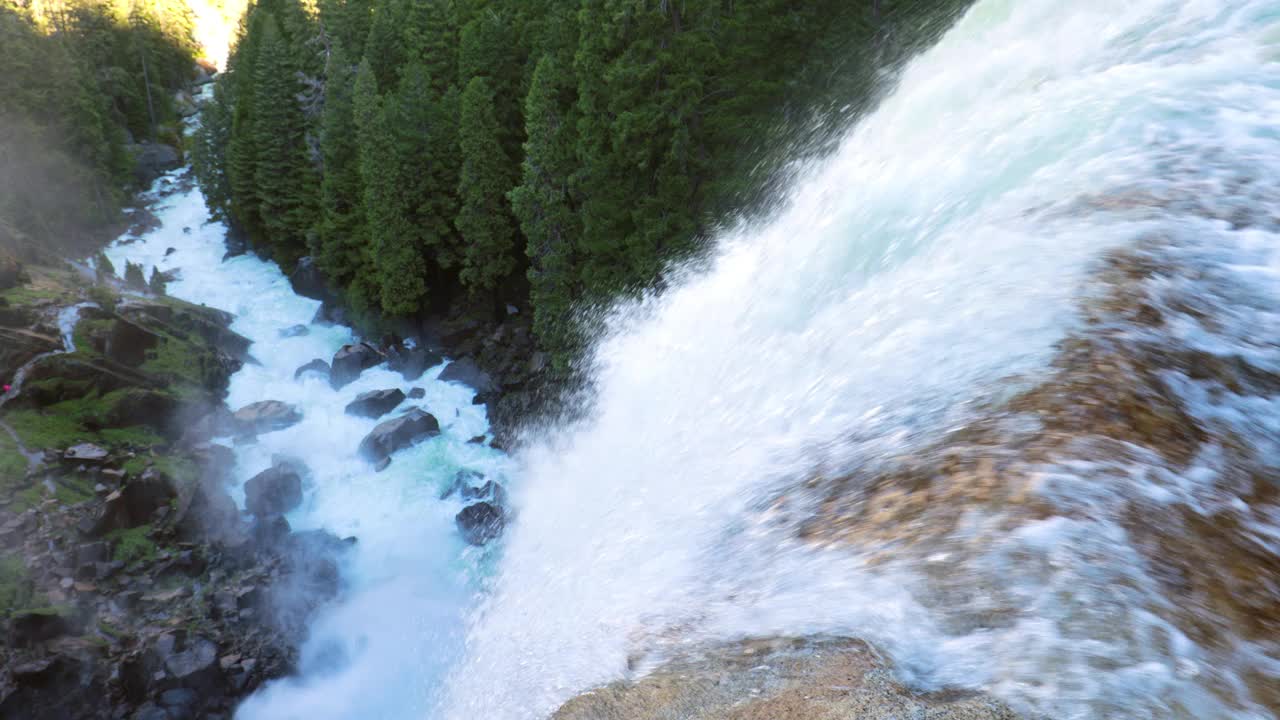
[(771, 679)]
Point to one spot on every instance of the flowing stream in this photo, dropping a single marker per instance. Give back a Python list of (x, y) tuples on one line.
[(899, 284)]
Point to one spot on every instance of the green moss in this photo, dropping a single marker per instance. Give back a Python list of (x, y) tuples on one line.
[(13, 465), (132, 545), (67, 423), (72, 490)]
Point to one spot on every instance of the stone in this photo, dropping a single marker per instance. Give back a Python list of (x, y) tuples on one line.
[(397, 434), (480, 523), (273, 491), (93, 552), (85, 453), (383, 464), (151, 160), (375, 403), (411, 363), (792, 678), (466, 371), (266, 416), (295, 331), (128, 343), (417, 393), (188, 661), (316, 366), (26, 628), (134, 504), (308, 281), (350, 361)]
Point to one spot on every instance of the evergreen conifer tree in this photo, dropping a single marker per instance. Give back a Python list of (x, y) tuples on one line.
[(484, 220)]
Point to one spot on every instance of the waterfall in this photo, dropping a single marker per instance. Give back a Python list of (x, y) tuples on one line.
[(896, 289), (922, 271)]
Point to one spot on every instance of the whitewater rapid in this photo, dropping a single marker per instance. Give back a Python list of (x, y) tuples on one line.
[(408, 582), (898, 287)]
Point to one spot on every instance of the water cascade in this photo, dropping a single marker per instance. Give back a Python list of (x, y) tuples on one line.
[(923, 271)]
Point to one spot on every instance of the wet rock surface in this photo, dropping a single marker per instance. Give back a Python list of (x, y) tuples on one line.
[(266, 416), (375, 403), (772, 679), (397, 434), (352, 360)]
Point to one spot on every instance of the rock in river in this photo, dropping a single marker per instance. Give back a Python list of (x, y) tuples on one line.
[(480, 523), (317, 366), (397, 434), (352, 360), (375, 403), (273, 491), (266, 416)]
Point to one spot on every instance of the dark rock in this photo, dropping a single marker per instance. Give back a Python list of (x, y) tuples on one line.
[(352, 360), (128, 343), (411, 363), (139, 406), (169, 251), (183, 698), (480, 523), (466, 371), (36, 672), (134, 504), (477, 440), (273, 491), (417, 393), (237, 242), (187, 661), (90, 553), (397, 434), (295, 331), (308, 281), (330, 313), (317, 366), (383, 464), (375, 403), (270, 531), (266, 416), (151, 160), (29, 627)]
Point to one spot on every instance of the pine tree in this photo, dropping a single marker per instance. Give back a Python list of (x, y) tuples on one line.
[(431, 40), (545, 207), (384, 48), (134, 278), (103, 270), (157, 284), (242, 151), (342, 251), (397, 260), (283, 177), (484, 220)]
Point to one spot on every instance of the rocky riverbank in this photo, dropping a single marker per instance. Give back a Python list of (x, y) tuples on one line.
[(130, 584)]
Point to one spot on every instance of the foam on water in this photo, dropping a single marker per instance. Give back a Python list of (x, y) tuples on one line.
[(374, 654), (939, 252), (935, 254)]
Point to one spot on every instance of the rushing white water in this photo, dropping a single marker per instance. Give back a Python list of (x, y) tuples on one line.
[(407, 580), (936, 253)]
